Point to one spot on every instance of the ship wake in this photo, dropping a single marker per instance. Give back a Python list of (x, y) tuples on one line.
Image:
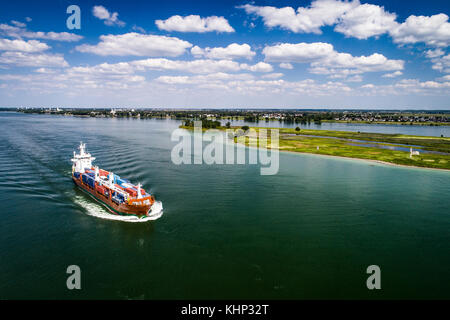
[(100, 211)]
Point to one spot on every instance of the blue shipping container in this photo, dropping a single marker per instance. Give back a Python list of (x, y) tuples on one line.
[(115, 177), (120, 182)]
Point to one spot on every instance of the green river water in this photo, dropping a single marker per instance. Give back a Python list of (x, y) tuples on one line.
[(308, 232)]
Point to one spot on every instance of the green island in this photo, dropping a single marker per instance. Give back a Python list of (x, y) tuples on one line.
[(429, 152)]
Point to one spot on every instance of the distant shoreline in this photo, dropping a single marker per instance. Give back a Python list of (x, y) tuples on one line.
[(300, 117)]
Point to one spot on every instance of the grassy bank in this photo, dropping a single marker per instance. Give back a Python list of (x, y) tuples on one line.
[(338, 143), (430, 123)]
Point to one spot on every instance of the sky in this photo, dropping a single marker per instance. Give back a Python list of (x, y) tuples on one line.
[(226, 54)]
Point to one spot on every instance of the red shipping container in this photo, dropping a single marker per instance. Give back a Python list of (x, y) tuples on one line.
[(132, 192), (103, 172)]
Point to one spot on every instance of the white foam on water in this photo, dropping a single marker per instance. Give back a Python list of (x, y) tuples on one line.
[(98, 210)]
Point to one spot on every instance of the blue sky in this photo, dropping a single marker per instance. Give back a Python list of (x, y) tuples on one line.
[(229, 54)]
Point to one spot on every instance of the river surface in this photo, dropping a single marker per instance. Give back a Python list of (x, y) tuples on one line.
[(308, 232)]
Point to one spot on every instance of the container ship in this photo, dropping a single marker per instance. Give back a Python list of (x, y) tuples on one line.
[(119, 195)]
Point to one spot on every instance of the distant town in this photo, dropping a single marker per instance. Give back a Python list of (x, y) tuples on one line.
[(301, 116)]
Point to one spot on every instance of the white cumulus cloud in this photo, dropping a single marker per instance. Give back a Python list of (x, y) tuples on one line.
[(365, 21), (18, 24), (354, 19), (259, 67), (306, 19), (194, 23), (18, 32), (202, 66), (434, 53), (110, 19), (298, 52), (393, 74), (21, 45), (433, 30), (272, 75), (136, 44), (286, 65), (232, 51), (442, 64), (26, 59), (194, 66), (325, 60)]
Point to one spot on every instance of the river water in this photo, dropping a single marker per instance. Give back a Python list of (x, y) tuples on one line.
[(227, 232)]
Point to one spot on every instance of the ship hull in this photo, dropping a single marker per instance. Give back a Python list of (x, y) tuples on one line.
[(118, 209)]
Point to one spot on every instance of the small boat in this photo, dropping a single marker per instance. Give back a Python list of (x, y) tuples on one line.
[(119, 195)]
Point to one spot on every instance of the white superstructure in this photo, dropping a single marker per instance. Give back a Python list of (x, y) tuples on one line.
[(82, 160)]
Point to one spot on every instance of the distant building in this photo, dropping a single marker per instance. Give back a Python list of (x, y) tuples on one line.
[(413, 153)]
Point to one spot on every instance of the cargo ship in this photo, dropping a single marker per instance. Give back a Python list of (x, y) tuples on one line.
[(119, 195)]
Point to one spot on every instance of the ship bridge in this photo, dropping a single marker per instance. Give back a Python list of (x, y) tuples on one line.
[(83, 160)]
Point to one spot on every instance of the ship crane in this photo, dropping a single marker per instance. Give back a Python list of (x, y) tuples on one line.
[(139, 195), (97, 173)]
